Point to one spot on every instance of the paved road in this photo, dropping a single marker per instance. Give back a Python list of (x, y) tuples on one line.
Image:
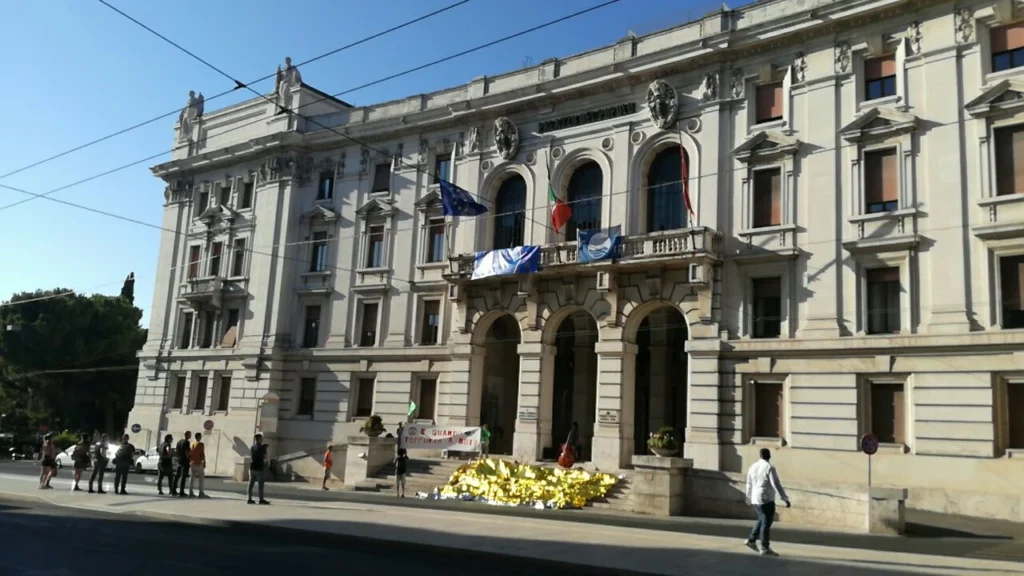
[(928, 533), (44, 540)]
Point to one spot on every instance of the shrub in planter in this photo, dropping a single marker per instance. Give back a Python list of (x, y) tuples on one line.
[(373, 426), (663, 442)]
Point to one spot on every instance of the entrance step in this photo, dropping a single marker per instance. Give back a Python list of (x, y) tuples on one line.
[(422, 475)]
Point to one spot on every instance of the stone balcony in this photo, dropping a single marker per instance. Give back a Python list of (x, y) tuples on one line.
[(209, 291), (669, 249)]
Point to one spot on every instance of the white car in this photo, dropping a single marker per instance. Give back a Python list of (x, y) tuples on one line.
[(148, 462), (65, 459)]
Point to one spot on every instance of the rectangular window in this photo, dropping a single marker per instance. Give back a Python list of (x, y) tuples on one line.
[(883, 286), (364, 398), (199, 397), (204, 201), (767, 312), (368, 329), (1011, 283), (435, 240), (238, 259), (186, 330), (767, 198), (375, 247), (318, 259), (769, 102), (179, 394), (768, 410), (880, 77), (195, 253), (307, 397), (1007, 45), (381, 178), (881, 181), (215, 253), (246, 195), (224, 394), (230, 336), (225, 195), (207, 322), (311, 331), (1009, 155), (325, 190), (442, 169), (1015, 407), (428, 398), (887, 413), (431, 321)]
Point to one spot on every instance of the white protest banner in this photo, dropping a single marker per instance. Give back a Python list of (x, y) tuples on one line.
[(427, 437)]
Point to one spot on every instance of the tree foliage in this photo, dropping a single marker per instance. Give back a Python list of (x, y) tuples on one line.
[(50, 353)]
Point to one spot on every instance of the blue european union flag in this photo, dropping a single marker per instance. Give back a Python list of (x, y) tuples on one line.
[(458, 202)]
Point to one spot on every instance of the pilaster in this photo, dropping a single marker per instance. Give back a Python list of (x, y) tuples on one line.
[(536, 394), (703, 444), (613, 430)]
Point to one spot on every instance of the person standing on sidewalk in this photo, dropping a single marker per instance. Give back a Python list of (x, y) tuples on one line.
[(485, 442), (258, 452), (762, 485), (328, 464), (182, 453), (99, 464), (49, 464), (400, 471), (122, 464), (165, 466), (81, 459), (198, 460)]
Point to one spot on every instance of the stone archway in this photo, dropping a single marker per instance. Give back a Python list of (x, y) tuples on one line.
[(498, 383), (661, 375), (574, 383)]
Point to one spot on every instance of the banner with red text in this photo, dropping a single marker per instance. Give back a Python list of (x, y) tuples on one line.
[(427, 437)]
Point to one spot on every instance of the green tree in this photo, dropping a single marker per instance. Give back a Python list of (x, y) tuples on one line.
[(128, 289), (69, 362)]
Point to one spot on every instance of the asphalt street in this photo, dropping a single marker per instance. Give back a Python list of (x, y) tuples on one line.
[(45, 540)]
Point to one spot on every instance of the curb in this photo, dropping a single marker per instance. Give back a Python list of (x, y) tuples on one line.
[(328, 539)]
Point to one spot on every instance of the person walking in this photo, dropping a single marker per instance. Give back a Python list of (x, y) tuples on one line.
[(49, 464), (485, 442), (328, 464), (80, 456), (198, 461), (182, 452), (257, 465), (762, 485), (165, 466), (122, 464), (400, 471), (99, 463)]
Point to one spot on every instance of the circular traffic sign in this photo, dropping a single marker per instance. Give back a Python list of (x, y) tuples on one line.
[(208, 425), (136, 428), (869, 444)]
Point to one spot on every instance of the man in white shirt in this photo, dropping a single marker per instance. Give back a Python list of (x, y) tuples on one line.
[(762, 485)]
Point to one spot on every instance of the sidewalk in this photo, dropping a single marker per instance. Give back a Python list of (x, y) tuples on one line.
[(633, 550)]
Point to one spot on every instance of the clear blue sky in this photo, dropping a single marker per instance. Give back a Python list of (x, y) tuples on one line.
[(75, 70)]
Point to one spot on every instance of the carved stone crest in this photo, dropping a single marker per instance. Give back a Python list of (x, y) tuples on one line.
[(422, 157), (842, 58), (473, 142), (177, 190), (302, 169), (914, 37), (506, 138), (737, 83), (662, 103), (275, 168), (963, 21), (339, 170), (364, 160), (709, 87), (800, 68)]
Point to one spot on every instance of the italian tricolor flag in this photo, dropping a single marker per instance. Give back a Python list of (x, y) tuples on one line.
[(560, 211)]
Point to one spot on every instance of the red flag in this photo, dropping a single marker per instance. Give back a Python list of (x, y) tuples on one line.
[(560, 211), (685, 177)]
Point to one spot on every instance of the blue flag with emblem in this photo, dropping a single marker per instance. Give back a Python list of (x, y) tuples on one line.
[(458, 202), (518, 260), (601, 244)]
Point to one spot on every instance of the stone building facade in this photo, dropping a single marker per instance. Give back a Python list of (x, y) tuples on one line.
[(851, 263)]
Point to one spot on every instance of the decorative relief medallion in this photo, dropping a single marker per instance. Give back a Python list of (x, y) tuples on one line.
[(800, 68), (485, 165), (607, 144), (692, 125), (364, 160), (557, 152), (473, 142), (421, 158), (275, 168), (914, 37), (636, 137), (738, 83), (843, 58), (531, 157), (662, 104), (303, 168), (709, 87), (340, 171), (506, 138), (963, 22)]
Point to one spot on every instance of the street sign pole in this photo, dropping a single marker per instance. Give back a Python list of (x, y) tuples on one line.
[(869, 445)]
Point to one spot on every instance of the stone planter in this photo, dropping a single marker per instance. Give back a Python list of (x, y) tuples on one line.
[(373, 433), (664, 452)]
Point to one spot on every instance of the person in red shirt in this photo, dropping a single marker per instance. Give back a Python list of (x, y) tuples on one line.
[(328, 464)]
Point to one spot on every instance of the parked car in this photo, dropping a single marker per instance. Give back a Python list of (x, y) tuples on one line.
[(148, 462), (65, 459)]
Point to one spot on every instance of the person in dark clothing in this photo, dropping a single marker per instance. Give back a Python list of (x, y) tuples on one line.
[(400, 471), (81, 458), (99, 463), (183, 455), (257, 467), (165, 467), (122, 464)]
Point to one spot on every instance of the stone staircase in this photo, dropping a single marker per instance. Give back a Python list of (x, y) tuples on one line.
[(422, 475), (618, 498)]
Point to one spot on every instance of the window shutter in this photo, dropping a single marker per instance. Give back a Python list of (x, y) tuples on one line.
[(776, 199), (898, 420), (880, 67), (890, 176), (1015, 407), (769, 101), (1005, 38)]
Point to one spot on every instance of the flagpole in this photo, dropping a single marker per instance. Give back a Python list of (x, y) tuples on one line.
[(449, 222), (684, 177)]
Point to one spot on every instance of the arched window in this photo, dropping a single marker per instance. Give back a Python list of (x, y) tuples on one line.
[(666, 209), (510, 213), (584, 197)]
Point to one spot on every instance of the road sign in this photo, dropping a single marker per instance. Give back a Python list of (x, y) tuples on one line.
[(136, 428), (208, 425), (869, 444)]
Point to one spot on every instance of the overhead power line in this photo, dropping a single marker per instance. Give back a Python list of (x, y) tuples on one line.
[(236, 87)]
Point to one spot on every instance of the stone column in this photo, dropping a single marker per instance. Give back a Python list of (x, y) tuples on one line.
[(703, 445), (613, 435), (536, 391), (460, 398)]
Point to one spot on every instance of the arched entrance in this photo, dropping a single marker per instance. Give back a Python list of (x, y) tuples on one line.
[(575, 382), (500, 394), (661, 375)]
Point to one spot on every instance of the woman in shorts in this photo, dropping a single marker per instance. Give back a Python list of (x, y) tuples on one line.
[(49, 464)]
